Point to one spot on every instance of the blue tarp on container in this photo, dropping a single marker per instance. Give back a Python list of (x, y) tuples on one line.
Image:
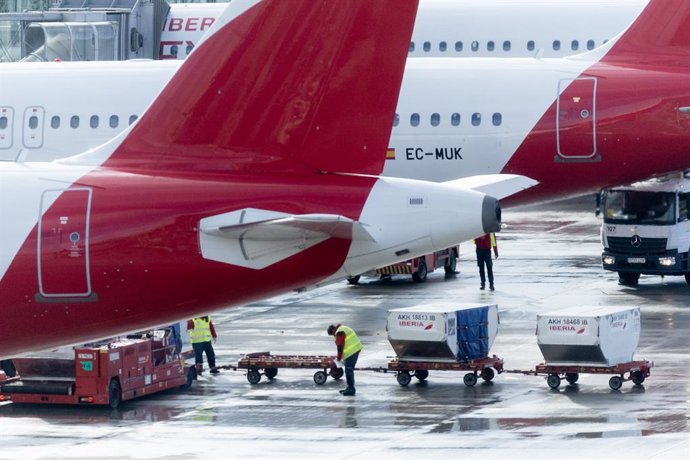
[(473, 333)]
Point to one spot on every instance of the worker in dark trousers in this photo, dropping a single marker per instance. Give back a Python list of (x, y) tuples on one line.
[(484, 246), (348, 346), (202, 332)]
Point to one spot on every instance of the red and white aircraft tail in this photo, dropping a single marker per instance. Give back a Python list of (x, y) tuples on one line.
[(250, 175)]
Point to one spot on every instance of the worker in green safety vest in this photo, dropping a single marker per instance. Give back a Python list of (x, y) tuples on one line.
[(349, 346), (202, 332)]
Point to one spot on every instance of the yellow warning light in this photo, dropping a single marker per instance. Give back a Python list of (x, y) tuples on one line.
[(576, 99)]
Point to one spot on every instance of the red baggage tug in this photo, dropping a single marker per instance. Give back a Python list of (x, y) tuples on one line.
[(104, 373)]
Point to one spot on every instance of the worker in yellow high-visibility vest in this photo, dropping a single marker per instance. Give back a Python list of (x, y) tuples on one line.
[(202, 332), (349, 346)]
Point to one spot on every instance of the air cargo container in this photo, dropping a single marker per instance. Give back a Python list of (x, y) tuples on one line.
[(592, 336), (442, 332)]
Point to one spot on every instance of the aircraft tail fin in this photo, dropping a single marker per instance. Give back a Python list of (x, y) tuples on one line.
[(306, 96)]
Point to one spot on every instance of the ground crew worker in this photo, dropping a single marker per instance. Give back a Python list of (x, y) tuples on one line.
[(202, 332), (349, 346), (484, 245)]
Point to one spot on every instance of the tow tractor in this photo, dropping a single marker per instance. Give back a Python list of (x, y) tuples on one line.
[(419, 267), (101, 373)]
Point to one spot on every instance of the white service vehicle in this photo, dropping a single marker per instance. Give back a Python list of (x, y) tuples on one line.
[(646, 228)]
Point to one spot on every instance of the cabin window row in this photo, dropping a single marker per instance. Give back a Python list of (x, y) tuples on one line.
[(435, 119), (94, 121), (506, 46)]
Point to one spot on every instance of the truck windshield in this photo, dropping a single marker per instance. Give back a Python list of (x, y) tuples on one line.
[(633, 207)]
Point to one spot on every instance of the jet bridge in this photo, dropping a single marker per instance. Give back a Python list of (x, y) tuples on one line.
[(85, 30)]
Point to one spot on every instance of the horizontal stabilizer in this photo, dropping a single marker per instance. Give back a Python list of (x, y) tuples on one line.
[(256, 238), (498, 186)]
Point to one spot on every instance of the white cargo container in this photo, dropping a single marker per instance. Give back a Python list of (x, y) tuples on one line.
[(442, 332), (593, 336)]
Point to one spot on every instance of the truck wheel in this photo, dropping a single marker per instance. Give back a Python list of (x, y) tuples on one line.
[(403, 378), (337, 373), (420, 275), (628, 279), (354, 280), (270, 373), (320, 377), (637, 377), (470, 379), (421, 374), (191, 377), (487, 374), (114, 394), (572, 377), (615, 382), (553, 381), (452, 263), (253, 376)]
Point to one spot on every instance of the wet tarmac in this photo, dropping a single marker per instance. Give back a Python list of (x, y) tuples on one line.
[(549, 258)]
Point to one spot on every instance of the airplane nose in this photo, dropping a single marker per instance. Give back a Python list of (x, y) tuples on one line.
[(491, 214)]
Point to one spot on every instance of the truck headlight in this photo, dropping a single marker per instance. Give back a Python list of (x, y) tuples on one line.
[(608, 260), (667, 261)]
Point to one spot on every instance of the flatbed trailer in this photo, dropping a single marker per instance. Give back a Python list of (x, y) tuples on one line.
[(103, 373), (264, 363), (486, 368), (637, 372)]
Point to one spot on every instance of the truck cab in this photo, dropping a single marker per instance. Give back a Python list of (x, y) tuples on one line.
[(646, 228)]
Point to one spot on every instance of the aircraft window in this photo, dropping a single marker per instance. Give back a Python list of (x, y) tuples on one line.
[(458, 46), (530, 45), (435, 119), (455, 119), (427, 47), (496, 119), (132, 119), (556, 45), (396, 120), (55, 122), (475, 46), (574, 45), (411, 47), (590, 44), (414, 119), (114, 121), (506, 45), (33, 122), (3, 122), (476, 119), (604, 42), (490, 45), (74, 122), (442, 46), (94, 121)]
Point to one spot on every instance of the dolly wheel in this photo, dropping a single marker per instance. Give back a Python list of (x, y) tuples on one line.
[(253, 376), (470, 379), (637, 377), (553, 381), (114, 394), (191, 377), (572, 377), (615, 382), (337, 373), (488, 374), (320, 377), (270, 373), (421, 374), (404, 378)]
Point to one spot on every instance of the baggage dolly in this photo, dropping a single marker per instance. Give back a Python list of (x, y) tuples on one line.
[(264, 363), (637, 372), (486, 368)]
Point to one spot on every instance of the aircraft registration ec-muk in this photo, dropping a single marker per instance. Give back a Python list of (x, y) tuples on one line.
[(253, 173)]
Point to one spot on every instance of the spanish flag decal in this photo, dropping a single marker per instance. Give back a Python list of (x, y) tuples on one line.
[(390, 154)]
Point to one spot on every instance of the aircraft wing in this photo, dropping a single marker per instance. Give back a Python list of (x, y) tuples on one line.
[(255, 238), (496, 185)]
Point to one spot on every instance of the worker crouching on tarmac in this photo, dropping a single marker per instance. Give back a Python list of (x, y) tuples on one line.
[(201, 332), (349, 346)]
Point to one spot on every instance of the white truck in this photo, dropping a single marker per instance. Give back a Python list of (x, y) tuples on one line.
[(646, 228)]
